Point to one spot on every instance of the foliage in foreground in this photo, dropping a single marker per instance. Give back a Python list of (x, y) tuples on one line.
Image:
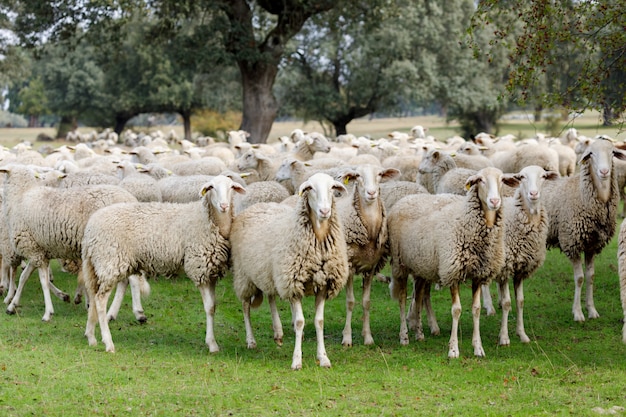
[(162, 368)]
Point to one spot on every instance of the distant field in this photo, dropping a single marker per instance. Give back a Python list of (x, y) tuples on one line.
[(517, 124)]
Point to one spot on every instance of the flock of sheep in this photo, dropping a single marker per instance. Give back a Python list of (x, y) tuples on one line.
[(304, 215)]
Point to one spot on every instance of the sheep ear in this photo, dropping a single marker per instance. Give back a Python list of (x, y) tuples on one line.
[(471, 181), (619, 155), (551, 175), (389, 174), (512, 181), (206, 189), (339, 188), (585, 157), (305, 186), (348, 176), (238, 188), (309, 140)]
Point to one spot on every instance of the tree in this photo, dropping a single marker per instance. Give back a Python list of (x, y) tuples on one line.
[(32, 101), (591, 32), (350, 62)]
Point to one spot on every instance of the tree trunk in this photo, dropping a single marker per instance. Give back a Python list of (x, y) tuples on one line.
[(537, 113), (186, 115), (65, 125), (120, 121), (607, 115), (259, 104)]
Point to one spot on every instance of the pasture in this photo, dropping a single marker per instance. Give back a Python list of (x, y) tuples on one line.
[(163, 368)]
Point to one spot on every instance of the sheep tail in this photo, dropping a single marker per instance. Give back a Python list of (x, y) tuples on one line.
[(256, 299)]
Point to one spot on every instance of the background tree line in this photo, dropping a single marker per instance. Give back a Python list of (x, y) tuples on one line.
[(103, 62)]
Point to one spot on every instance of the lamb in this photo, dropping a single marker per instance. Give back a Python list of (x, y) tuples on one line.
[(526, 226), (468, 245), (582, 213), (46, 223), (278, 250), (191, 236), (364, 222)]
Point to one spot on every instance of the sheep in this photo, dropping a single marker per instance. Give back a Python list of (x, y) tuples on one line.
[(407, 164), (279, 250), (308, 144), (364, 222), (439, 174), (260, 192), (526, 227), (393, 191), (191, 236), (621, 268), (143, 187), (468, 244), (46, 223), (582, 213), (264, 165), (209, 165), (513, 161), (184, 188)]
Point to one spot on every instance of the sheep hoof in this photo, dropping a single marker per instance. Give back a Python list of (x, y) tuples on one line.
[(296, 366), (347, 341), (142, 319), (579, 317), (593, 314), (10, 311), (78, 299), (369, 341), (324, 362), (65, 298), (278, 341), (524, 339), (479, 352), (504, 342), (252, 345), (111, 318)]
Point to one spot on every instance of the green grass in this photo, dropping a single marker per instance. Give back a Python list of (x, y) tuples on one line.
[(163, 368)]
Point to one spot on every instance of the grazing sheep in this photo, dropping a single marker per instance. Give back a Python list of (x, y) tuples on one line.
[(158, 238), (526, 230), (364, 222), (582, 210), (448, 239), (278, 250), (46, 223)]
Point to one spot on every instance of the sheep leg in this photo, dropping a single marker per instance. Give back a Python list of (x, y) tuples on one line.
[(518, 285), (4, 273), (505, 296), (397, 288), (135, 282), (116, 304), (208, 299), (579, 278), (476, 340), (277, 326), (453, 345), (592, 313), (622, 296), (100, 302), (430, 313), (44, 279), (347, 329), (367, 290), (250, 341), (320, 300), (90, 328), (487, 302), (298, 326), (11, 284), (15, 301), (415, 311), (80, 287)]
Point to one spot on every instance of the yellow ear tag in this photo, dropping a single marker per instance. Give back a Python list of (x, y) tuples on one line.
[(346, 180), (467, 186), (203, 192)]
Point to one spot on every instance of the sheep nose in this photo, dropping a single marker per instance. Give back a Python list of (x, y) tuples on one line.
[(495, 202), (325, 212), (533, 195), (604, 172), (224, 206)]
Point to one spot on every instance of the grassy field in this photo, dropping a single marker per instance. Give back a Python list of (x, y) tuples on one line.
[(163, 368)]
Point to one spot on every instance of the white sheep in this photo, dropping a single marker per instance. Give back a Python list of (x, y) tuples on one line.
[(142, 186), (278, 250), (260, 192), (158, 238), (448, 239), (265, 166), (364, 220), (309, 143), (526, 230), (582, 210), (439, 174), (46, 223)]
